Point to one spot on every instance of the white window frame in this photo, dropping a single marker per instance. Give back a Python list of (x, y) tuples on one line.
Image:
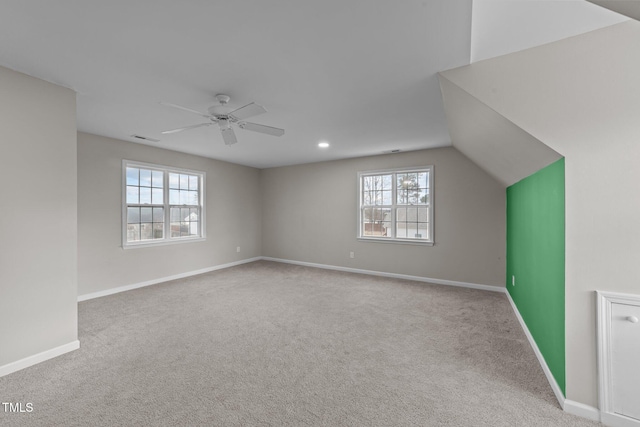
[(394, 205), (167, 239)]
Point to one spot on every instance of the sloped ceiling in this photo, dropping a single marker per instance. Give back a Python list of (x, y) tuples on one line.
[(506, 29), (630, 8), (501, 27), (499, 147), (580, 89)]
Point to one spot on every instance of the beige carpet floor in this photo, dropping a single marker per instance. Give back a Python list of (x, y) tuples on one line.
[(269, 344)]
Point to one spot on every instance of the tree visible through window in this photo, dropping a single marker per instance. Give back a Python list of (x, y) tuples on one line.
[(161, 204), (397, 205)]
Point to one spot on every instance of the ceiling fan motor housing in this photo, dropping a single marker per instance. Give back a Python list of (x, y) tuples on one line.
[(221, 111), (223, 99)]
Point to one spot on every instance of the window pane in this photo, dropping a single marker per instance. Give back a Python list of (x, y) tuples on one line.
[(175, 214), (422, 179), (367, 183), (174, 180), (193, 228), (366, 197), (184, 214), (375, 221), (372, 183), (401, 230), (158, 230), (146, 214), (158, 215), (412, 222), (133, 232), (423, 231), (184, 197), (175, 229), (423, 214), (193, 198), (424, 197), (157, 179), (366, 221), (193, 213), (386, 229), (377, 197), (145, 178), (145, 195), (184, 182), (146, 231), (412, 214), (386, 197), (386, 182), (157, 196), (408, 189), (133, 215), (132, 195), (174, 197), (401, 214), (193, 182), (132, 176)]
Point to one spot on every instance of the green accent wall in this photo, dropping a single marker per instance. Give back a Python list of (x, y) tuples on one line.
[(535, 256)]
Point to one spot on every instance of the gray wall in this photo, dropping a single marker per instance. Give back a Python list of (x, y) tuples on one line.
[(38, 279), (310, 215), (233, 215)]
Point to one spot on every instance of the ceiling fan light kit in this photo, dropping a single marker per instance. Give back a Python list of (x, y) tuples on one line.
[(225, 116)]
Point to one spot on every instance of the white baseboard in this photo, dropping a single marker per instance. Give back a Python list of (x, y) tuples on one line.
[(393, 275), (615, 420), (38, 358), (547, 372), (581, 410), (119, 289)]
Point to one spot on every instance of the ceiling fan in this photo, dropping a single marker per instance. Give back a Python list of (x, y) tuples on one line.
[(225, 116)]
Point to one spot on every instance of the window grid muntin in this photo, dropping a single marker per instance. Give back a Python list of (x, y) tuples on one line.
[(195, 184), (424, 178)]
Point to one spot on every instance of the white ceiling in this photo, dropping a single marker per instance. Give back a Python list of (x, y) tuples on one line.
[(361, 74)]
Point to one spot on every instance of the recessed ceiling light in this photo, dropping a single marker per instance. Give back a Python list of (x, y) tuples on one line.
[(323, 144)]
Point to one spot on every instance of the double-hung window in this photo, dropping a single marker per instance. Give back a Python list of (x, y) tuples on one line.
[(396, 205), (161, 204)]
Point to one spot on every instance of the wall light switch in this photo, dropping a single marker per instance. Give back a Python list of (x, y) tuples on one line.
[(352, 254), (513, 280), (238, 249)]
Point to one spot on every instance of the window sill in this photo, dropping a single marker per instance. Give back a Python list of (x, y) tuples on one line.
[(163, 243), (397, 241)]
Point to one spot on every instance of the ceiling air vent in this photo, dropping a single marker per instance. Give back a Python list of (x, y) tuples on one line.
[(145, 138)]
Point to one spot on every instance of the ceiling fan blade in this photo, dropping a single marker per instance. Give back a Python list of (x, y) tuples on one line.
[(186, 128), (179, 107), (261, 128), (228, 135), (247, 111)]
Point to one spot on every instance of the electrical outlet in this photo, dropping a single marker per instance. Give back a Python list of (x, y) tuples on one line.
[(513, 280), (352, 254), (238, 249)]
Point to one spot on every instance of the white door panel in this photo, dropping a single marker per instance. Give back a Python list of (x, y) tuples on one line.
[(625, 359)]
